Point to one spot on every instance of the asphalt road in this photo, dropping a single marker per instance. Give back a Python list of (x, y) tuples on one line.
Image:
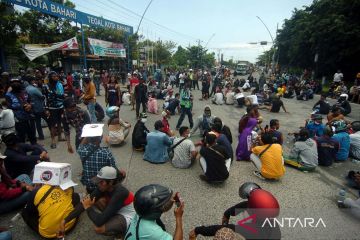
[(300, 194)]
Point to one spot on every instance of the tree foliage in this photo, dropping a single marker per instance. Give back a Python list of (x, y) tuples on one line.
[(327, 28)]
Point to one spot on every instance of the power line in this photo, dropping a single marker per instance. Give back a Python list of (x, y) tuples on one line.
[(151, 21)]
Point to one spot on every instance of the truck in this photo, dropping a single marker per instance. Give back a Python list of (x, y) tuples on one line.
[(242, 68)]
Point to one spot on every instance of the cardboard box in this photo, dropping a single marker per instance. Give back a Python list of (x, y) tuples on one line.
[(55, 174)]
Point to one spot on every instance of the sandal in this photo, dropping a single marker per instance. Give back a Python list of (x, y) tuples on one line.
[(53, 146)]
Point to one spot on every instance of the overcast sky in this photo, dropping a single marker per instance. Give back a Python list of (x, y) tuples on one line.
[(233, 22)]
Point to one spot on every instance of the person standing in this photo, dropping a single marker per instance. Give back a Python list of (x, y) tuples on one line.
[(89, 97), (140, 93), (37, 105), (338, 76), (76, 117), (113, 93), (97, 82), (54, 93), (134, 81), (186, 106), (19, 102)]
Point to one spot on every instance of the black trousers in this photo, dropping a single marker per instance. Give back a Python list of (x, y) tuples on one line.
[(143, 103), (26, 129), (195, 83)]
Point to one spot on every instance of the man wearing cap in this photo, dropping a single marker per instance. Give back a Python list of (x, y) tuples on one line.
[(157, 145), (19, 101), (55, 199), (315, 127), (110, 207), (76, 117), (344, 104), (93, 156)]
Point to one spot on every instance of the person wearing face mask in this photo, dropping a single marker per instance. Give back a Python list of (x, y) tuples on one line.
[(54, 93), (76, 117), (20, 102), (315, 126), (139, 133), (156, 150), (37, 104), (203, 122)]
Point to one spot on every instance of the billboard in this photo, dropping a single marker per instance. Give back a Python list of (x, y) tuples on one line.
[(106, 49), (59, 10)]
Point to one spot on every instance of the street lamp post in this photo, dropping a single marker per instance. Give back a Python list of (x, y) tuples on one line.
[(272, 39)]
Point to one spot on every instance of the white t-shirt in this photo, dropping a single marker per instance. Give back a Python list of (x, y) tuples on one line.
[(355, 145), (219, 98), (230, 98), (239, 95), (182, 153), (7, 119), (246, 85), (253, 99), (338, 77)]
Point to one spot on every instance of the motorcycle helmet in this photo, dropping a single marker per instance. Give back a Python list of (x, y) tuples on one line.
[(344, 97), (111, 111), (263, 203), (247, 188), (339, 125), (150, 200)]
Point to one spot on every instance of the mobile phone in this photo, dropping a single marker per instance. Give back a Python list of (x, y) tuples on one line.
[(177, 199)]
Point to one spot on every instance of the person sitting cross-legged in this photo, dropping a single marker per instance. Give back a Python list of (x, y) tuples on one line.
[(304, 154), (185, 152), (267, 158), (110, 207), (214, 161), (156, 150)]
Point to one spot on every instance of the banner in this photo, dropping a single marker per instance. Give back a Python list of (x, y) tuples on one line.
[(106, 49), (33, 51), (59, 10)]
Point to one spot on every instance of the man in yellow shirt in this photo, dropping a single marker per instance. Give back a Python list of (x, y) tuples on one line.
[(53, 202), (89, 97), (268, 158)]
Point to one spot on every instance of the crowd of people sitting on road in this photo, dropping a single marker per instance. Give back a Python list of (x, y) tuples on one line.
[(33, 100)]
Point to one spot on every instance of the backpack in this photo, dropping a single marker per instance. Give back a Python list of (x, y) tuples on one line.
[(30, 212)]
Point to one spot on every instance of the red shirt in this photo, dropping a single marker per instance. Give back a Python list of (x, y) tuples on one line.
[(133, 82), (166, 128), (69, 82)]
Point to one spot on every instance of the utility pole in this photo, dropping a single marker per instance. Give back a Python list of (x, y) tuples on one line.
[(199, 54)]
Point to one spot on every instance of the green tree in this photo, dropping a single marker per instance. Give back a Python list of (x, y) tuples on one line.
[(180, 57), (327, 28)]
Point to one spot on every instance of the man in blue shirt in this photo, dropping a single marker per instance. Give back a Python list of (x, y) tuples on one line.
[(157, 145), (316, 127), (343, 138)]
